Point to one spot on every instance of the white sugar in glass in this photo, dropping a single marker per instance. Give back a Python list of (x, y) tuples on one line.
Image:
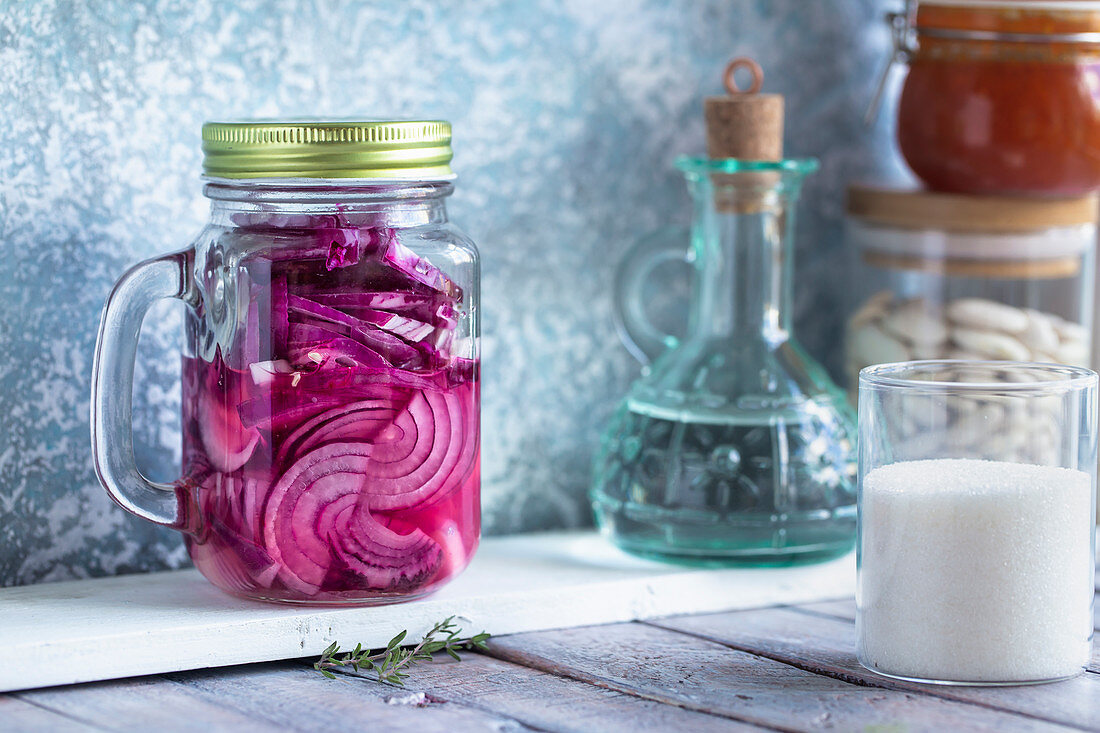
[(976, 570), (976, 521)]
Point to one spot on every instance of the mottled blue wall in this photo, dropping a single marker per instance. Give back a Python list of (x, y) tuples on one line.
[(567, 116)]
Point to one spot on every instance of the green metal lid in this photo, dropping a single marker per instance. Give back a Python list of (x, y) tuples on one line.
[(384, 149)]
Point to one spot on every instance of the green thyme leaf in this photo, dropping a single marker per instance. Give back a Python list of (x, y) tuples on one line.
[(390, 664), (396, 641)]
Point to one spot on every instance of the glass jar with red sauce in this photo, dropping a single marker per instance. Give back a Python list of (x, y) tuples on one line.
[(1002, 96)]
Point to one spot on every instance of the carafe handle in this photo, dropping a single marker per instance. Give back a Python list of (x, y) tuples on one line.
[(644, 340), (113, 385)]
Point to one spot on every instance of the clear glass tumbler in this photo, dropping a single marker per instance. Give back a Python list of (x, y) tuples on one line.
[(977, 492)]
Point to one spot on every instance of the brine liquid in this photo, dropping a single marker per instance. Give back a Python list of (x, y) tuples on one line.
[(727, 491), (248, 547), (330, 411)]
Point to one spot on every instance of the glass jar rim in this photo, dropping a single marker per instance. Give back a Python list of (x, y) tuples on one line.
[(331, 192), (701, 165), (1073, 23), (1045, 378), (1011, 5)]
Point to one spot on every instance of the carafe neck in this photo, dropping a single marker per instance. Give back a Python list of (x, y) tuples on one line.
[(742, 241)]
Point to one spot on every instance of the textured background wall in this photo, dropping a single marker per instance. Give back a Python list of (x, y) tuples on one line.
[(567, 116)]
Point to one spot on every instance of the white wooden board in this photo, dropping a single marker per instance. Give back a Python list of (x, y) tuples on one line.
[(62, 633)]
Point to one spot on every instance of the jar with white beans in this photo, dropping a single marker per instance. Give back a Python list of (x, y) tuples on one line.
[(945, 276)]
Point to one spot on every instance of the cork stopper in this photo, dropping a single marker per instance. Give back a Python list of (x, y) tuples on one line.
[(746, 124)]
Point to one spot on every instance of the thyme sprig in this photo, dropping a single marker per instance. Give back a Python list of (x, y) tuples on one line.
[(390, 663)]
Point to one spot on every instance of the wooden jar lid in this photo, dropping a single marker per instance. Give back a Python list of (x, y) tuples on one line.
[(997, 237), (913, 209), (1012, 269)]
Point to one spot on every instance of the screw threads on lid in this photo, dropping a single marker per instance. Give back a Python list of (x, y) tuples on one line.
[(401, 149)]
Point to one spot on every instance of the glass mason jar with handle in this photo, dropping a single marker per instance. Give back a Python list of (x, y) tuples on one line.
[(734, 446), (330, 374)]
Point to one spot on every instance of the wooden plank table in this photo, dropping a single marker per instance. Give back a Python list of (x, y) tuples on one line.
[(778, 668)]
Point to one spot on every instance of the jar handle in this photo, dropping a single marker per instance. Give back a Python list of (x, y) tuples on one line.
[(644, 340), (113, 384)]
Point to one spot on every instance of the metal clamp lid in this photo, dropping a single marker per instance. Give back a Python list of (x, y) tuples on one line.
[(904, 43)]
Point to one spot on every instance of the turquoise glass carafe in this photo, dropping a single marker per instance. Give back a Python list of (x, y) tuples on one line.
[(734, 447)]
